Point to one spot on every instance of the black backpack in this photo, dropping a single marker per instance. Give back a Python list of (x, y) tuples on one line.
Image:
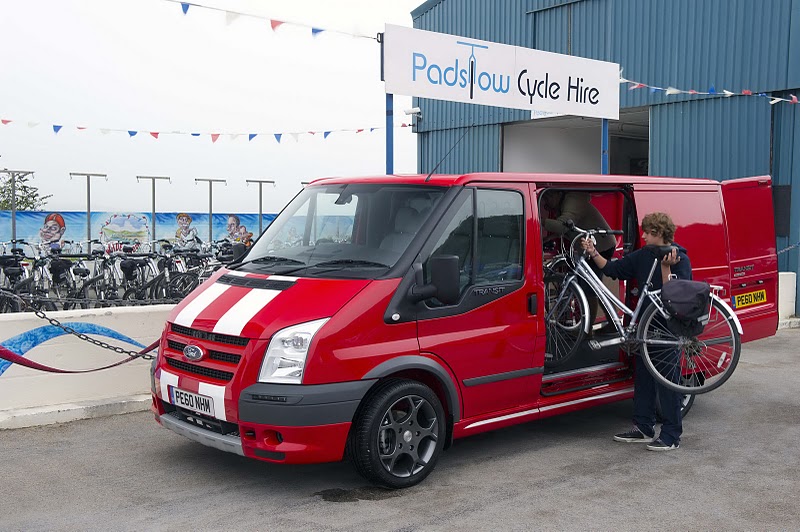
[(688, 304)]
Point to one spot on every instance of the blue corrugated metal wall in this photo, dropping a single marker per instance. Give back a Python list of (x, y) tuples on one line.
[(718, 138), (728, 44), (480, 146)]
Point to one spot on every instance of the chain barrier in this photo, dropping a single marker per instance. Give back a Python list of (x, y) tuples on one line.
[(133, 355)]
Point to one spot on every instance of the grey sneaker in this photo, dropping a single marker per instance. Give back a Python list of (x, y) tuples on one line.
[(659, 445), (634, 436)]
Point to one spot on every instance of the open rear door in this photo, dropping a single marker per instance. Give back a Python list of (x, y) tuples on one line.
[(753, 259)]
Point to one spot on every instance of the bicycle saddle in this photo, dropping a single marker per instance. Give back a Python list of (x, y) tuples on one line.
[(80, 272), (660, 251)]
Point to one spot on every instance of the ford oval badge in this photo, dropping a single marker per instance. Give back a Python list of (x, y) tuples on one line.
[(193, 352)]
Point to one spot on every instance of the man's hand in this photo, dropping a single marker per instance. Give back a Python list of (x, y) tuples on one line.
[(588, 245), (671, 259)]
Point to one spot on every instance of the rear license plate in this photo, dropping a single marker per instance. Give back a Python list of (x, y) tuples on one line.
[(749, 299), (191, 401)]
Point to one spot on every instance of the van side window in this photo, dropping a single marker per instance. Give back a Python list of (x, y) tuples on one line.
[(458, 239), (498, 240), (500, 218)]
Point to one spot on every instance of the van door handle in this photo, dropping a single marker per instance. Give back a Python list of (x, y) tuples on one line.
[(533, 304)]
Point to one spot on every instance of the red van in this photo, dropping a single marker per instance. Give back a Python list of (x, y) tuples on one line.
[(342, 332)]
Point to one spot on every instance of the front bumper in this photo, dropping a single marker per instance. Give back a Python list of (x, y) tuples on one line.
[(280, 422)]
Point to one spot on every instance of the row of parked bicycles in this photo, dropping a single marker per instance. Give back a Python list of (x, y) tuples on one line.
[(43, 277)]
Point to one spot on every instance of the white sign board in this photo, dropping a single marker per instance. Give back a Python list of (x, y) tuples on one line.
[(448, 67)]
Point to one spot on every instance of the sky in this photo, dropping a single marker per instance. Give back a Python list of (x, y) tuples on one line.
[(143, 65)]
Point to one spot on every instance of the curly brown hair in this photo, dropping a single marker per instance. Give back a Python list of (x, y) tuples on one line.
[(659, 223)]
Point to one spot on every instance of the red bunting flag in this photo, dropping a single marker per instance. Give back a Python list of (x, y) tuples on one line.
[(404, 125), (747, 92), (312, 132), (275, 24), (359, 130), (794, 98), (214, 137), (5, 122), (636, 86), (154, 134), (692, 91)]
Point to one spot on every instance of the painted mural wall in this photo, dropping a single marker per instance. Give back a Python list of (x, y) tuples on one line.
[(187, 230)]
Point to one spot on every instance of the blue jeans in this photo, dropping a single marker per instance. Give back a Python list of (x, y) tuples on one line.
[(644, 406)]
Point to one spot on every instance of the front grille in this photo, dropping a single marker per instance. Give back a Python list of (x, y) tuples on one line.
[(200, 370), (214, 337), (213, 355), (253, 282)]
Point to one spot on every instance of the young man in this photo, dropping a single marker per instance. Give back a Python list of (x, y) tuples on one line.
[(657, 230)]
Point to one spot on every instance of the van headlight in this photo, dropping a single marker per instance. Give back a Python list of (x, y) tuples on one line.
[(287, 351)]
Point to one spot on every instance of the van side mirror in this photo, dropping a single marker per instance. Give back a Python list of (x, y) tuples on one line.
[(444, 280), (239, 250)]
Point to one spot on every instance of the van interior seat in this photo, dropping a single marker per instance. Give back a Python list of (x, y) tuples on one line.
[(406, 225), (498, 242), (421, 204)]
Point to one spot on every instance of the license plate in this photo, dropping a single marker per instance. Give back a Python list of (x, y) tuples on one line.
[(191, 401), (749, 299)]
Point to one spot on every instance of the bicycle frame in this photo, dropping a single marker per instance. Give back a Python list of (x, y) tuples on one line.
[(580, 269)]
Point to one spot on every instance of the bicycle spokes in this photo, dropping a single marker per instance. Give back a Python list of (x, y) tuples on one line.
[(711, 356)]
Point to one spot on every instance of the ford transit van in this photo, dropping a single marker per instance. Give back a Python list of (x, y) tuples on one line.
[(381, 318)]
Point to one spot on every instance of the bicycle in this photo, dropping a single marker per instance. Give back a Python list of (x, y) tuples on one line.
[(686, 364)]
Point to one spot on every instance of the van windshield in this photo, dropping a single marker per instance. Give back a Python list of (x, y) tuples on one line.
[(348, 231)]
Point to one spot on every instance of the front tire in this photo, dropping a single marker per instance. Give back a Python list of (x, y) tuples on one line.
[(566, 319), (399, 434)]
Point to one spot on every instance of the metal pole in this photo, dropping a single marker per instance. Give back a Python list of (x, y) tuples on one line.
[(13, 205), (152, 179), (389, 116), (88, 198), (389, 133), (88, 209), (260, 203), (210, 202), (604, 148)]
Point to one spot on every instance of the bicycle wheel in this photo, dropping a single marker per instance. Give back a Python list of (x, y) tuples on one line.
[(709, 358), (9, 303), (134, 294), (180, 284), (566, 316)]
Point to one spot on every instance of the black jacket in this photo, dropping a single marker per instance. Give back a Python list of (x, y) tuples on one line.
[(636, 265)]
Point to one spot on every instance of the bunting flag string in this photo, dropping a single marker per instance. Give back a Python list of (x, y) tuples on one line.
[(712, 91), (231, 16), (157, 135)]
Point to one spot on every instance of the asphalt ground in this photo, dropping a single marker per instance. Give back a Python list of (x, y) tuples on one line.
[(738, 468)]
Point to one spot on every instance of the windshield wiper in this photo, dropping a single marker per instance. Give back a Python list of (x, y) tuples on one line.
[(273, 258), (351, 262)]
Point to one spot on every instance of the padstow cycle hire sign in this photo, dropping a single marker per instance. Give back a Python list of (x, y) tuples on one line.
[(448, 67)]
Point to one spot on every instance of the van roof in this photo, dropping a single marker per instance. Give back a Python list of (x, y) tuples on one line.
[(448, 180)]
